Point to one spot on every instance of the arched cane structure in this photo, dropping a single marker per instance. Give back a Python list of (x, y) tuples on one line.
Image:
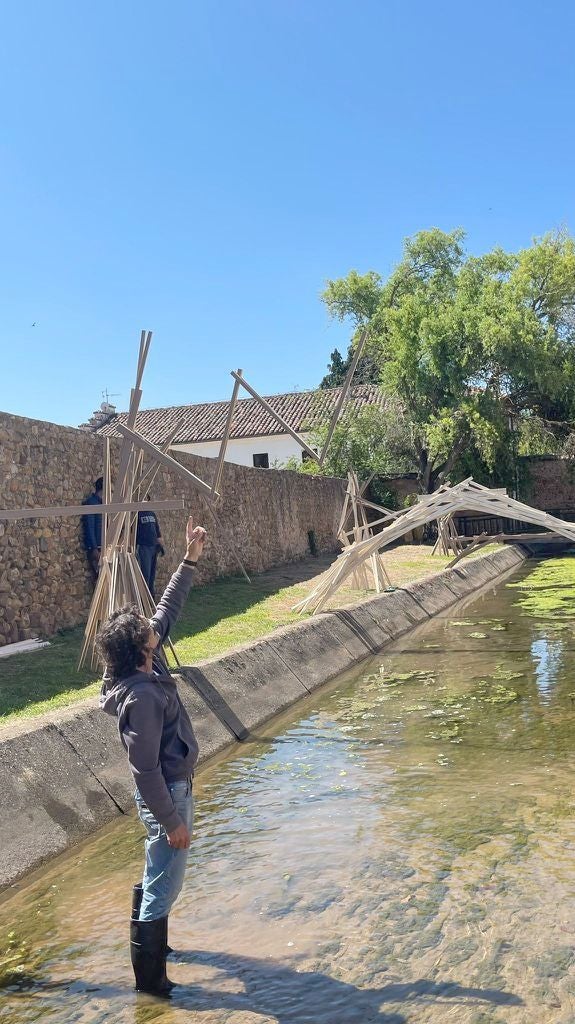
[(464, 497)]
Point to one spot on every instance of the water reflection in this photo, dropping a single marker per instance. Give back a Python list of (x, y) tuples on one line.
[(547, 657), (401, 851)]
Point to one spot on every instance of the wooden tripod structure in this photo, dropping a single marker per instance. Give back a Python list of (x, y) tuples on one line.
[(371, 573), (448, 541), (447, 501), (120, 579)]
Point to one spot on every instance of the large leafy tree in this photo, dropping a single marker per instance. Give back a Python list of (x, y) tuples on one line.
[(366, 371), (469, 348)]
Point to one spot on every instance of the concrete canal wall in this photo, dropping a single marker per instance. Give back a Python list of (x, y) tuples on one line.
[(65, 775)]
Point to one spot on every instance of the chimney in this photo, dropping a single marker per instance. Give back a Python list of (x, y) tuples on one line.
[(103, 415)]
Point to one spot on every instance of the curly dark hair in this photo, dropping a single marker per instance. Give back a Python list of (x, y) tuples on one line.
[(121, 641)]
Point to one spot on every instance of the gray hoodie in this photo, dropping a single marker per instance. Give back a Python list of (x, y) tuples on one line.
[(154, 726)]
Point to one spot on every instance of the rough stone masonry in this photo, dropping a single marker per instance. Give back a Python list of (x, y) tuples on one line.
[(44, 580)]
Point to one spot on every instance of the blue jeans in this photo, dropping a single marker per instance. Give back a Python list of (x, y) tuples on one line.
[(147, 557), (165, 866)]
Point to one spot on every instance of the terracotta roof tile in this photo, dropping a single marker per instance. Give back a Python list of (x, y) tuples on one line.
[(206, 421)]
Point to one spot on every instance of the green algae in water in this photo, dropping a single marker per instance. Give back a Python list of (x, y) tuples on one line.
[(549, 589), (417, 675), (19, 964), (499, 695), (447, 731)]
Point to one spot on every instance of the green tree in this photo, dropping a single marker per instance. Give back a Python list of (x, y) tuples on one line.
[(466, 345), (366, 371), (336, 370)]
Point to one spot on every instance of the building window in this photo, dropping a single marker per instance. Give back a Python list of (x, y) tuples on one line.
[(262, 461)]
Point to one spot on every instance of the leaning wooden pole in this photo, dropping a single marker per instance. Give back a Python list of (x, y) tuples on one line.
[(279, 419), (343, 394), (227, 431)]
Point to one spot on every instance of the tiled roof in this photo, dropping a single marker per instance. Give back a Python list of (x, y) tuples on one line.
[(206, 421)]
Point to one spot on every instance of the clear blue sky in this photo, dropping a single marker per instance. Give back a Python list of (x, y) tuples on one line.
[(200, 169)]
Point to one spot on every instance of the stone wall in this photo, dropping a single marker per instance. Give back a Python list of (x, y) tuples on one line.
[(545, 482), (549, 483), (45, 583)]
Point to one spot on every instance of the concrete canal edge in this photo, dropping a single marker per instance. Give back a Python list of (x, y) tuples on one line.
[(64, 775)]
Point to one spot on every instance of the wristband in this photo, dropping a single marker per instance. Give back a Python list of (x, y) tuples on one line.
[(188, 561)]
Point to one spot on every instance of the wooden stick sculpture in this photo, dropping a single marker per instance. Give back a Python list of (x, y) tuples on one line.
[(466, 496), (370, 574), (120, 579), (448, 540)]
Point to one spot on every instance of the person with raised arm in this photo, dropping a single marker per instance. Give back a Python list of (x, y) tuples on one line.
[(158, 737)]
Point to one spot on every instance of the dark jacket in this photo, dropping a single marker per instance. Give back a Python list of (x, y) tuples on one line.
[(92, 525), (148, 529), (154, 726)]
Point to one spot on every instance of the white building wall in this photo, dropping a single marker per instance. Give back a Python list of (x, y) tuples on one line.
[(278, 447)]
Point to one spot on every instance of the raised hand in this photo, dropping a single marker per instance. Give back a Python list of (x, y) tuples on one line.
[(195, 540)]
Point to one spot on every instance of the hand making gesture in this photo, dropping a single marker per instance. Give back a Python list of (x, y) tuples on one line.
[(195, 540)]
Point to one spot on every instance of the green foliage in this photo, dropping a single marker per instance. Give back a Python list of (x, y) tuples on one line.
[(535, 437), (464, 342), (366, 371), (369, 440), (336, 370)]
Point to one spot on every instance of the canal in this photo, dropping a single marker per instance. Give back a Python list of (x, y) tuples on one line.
[(400, 848)]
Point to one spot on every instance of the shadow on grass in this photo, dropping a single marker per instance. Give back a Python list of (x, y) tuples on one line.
[(39, 681), (44, 680), (229, 596)]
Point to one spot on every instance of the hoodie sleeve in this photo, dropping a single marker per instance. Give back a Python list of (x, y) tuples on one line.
[(142, 731), (172, 601)]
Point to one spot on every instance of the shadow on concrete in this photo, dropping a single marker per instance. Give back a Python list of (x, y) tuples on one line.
[(216, 702)]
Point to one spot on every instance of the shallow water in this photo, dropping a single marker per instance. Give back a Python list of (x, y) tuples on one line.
[(398, 849)]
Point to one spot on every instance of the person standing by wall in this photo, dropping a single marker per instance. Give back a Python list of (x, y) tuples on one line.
[(148, 545), (92, 529), (162, 750)]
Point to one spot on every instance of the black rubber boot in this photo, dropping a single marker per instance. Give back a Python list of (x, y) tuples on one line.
[(148, 955), (137, 893)]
